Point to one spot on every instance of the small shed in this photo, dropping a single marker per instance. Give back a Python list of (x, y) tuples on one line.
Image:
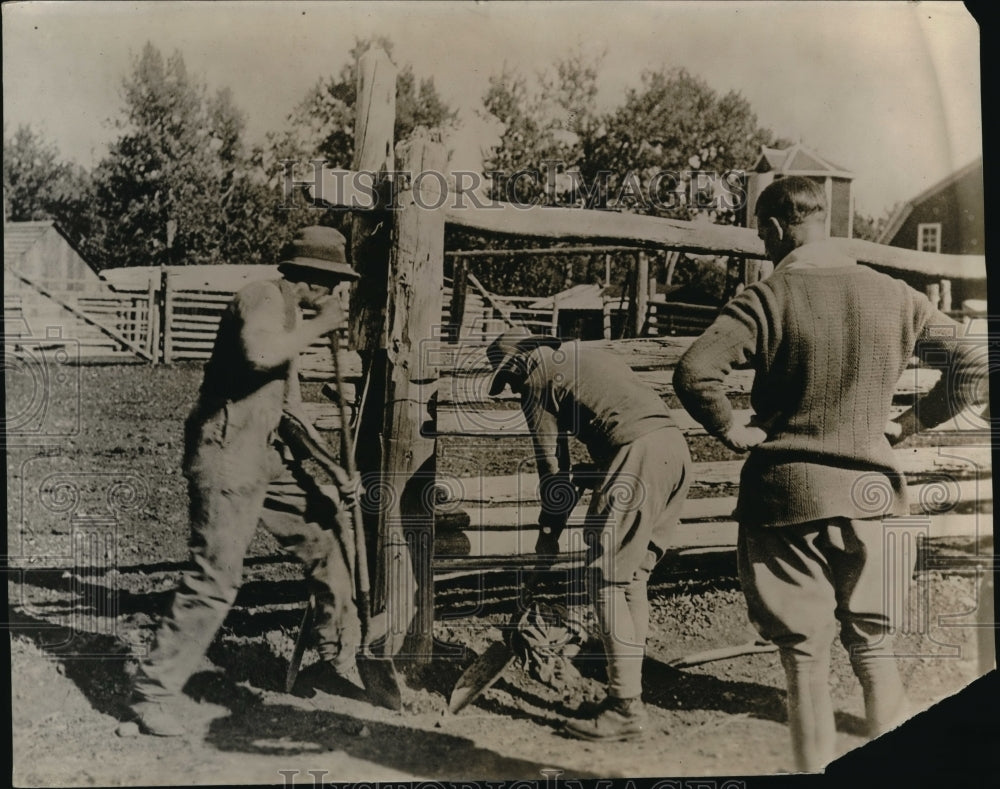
[(43, 253), (42, 272), (579, 312), (774, 163)]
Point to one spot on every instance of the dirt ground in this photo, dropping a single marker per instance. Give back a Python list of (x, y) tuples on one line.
[(97, 536)]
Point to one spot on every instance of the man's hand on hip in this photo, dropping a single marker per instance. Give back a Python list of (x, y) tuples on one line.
[(741, 438)]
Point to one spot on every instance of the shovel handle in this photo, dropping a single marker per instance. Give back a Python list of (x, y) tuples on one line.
[(360, 548)]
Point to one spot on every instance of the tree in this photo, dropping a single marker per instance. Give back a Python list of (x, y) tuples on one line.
[(868, 227), (677, 124), (176, 186), (38, 184), (322, 125)]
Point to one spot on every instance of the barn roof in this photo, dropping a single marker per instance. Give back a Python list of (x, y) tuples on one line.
[(902, 212), (797, 160), (19, 237)]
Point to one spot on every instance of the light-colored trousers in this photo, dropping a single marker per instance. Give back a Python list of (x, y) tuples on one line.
[(226, 504), (800, 582), (630, 523)]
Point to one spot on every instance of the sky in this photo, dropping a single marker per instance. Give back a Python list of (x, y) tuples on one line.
[(890, 91)]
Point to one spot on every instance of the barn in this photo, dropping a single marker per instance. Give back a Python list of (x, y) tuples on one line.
[(42, 272), (946, 218)]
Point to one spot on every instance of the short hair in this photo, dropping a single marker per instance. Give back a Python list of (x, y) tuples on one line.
[(791, 199)]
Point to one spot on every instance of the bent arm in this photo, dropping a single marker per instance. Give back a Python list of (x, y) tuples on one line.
[(266, 342), (700, 375)]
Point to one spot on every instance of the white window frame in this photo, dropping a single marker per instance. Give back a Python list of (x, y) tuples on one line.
[(936, 227)]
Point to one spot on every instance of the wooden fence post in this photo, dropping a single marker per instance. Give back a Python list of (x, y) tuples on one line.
[(168, 319), (375, 117), (152, 322), (458, 290), (934, 294), (945, 295), (413, 310), (640, 300), (606, 315)]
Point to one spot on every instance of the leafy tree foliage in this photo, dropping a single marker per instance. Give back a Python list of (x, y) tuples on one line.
[(322, 125), (38, 184), (176, 187)]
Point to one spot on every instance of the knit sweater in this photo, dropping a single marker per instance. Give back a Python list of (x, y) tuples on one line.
[(828, 340), (588, 393)]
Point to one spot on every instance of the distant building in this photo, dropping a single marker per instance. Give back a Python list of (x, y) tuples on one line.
[(42, 252), (775, 163), (41, 270), (946, 218)]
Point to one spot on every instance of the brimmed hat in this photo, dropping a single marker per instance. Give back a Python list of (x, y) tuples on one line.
[(505, 348), (317, 253)]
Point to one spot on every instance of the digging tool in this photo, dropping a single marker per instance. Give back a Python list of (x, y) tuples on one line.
[(723, 653), (378, 674), (300, 644), (489, 666)]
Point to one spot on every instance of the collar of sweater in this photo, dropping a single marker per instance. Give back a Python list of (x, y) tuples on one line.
[(818, 254)]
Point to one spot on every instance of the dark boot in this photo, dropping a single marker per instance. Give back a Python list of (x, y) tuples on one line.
[(616, 719)]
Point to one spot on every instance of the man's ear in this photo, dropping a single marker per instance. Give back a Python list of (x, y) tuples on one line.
[(777, 227)]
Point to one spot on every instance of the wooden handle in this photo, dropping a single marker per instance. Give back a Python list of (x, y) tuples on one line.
[(361, 560)]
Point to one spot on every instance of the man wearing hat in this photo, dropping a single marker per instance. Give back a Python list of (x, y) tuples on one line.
[(244, 464), (642, 476)]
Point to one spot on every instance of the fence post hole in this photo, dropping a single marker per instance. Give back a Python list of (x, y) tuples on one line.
[(945, 295), (413, 312), (606, 315), (934, 294)]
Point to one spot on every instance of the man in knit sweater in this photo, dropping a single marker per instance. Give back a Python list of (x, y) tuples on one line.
[(642, 476), (828, 340)]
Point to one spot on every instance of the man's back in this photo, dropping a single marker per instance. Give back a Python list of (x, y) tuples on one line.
[(590, 393), (828, 340)]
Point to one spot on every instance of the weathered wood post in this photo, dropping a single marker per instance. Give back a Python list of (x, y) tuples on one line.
[(934, 293), (641, 298), (459, 286), (375, 118), (152, 322), (168, 319), (413, 332), (606, 316), (945, 295), (368, 245)]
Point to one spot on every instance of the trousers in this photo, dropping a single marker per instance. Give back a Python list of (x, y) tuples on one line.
[(800, 581), (630, 522), (231, 491)]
